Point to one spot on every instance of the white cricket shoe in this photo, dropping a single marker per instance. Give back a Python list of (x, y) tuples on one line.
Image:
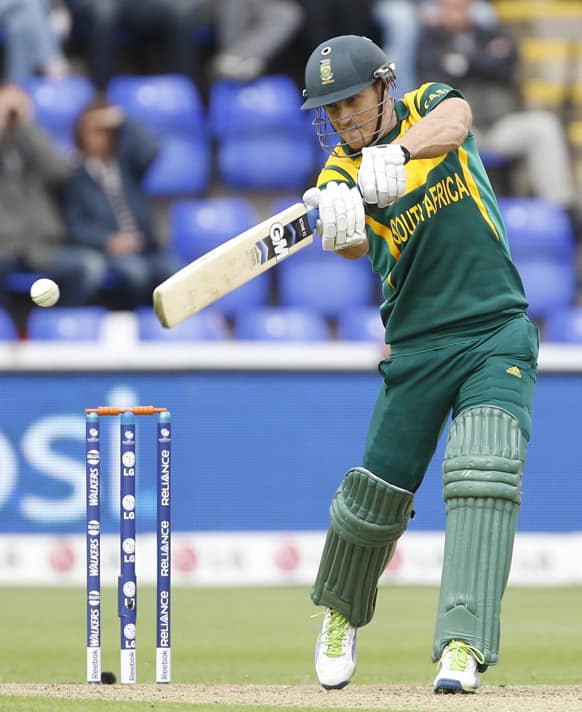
[(335, 651), (457, 671)]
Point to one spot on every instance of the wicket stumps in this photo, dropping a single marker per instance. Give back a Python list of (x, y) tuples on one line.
[(127, 581)]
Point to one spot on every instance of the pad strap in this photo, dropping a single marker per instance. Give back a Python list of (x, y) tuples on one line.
[(367, 517), (482, 489)]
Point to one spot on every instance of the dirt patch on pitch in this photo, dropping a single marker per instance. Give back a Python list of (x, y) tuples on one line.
[(538, 698)]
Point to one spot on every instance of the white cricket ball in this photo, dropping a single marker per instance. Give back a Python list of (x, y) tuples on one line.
[(45, 292)]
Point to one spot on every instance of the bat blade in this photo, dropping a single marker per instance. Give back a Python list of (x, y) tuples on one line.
[(232, 264)]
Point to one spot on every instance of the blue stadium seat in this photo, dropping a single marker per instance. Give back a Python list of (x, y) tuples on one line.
[(269, 103), (7, 327), (272, 161), (66, 323), (164, 102), (251, 295), (361, 324), (536, 227), (549, 285), (327, 283), (283, 202), (265, 141), (21, 281), (494, 159), (58, 102), (281, 324), (181, 168), (564, 325), (197, 226), (207, 325)]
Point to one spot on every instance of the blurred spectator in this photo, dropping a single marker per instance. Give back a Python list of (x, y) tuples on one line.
[(32, 234), (105, 207), (480, 60), (400, 21), (31, 45), (329, 18), (106, 26), (250, 34), (323, 19), (399, 24)]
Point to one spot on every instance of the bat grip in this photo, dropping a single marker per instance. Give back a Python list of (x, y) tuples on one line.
[(312, 218)]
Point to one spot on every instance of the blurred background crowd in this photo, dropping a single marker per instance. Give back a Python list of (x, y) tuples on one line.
[(135, 136)]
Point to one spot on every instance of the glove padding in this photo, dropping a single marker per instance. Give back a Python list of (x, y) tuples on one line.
[(341, 222), (382, 177)]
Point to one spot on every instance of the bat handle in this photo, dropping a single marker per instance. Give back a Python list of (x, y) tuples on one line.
[(312, 218)]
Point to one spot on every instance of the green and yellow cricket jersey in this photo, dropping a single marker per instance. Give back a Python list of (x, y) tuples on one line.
[(441, 250)]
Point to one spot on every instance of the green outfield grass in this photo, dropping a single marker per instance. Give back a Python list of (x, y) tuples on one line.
[(266, 636)]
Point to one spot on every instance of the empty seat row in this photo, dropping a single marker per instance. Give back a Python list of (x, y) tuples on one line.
[(543, 247), (262, 139), (171, 103), (310, 278), (540, 238), (262, 324)]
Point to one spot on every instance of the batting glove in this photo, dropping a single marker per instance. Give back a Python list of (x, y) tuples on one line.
[(341, 221), (382, 177)]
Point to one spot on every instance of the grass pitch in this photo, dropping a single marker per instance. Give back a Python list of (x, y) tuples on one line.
[(243, 638)]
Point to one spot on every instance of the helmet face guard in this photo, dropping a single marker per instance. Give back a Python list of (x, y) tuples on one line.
[(369, 127), (340, 68)]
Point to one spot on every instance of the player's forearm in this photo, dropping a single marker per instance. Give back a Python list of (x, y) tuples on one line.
[(442, 130)]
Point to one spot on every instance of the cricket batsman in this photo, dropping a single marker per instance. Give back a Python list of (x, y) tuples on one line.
[(404, 186)]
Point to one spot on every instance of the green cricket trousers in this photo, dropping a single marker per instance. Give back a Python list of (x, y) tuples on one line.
[(422, 387)]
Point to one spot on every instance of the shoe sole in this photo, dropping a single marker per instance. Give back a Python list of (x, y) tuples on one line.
[(452, 687), (339, 686)]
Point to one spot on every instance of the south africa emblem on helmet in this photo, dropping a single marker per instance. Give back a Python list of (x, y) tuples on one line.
[(325, 72)]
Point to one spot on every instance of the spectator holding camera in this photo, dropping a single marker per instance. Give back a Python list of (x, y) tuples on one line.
[(33, 237)]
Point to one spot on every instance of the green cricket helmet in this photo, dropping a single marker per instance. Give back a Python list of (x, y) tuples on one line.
[(342, 67)]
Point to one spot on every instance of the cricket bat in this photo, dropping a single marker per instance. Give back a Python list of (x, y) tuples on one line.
[(232, 264)]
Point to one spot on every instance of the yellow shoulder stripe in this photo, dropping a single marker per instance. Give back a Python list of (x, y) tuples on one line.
[(337, 166), (474, 190), (385, 233), (410, 100)]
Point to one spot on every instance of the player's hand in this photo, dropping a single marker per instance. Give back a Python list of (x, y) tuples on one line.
[(382, 177), (341, 221)]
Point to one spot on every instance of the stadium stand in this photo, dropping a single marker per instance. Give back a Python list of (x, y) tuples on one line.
[(536, 227), (253, 294), (361, 324), (182, 168), (281, 324), (66, 323), (198, 226), (248, 139), (57, 103), (564, 325), (207, 325), (549, 285), (264, 141), (550, 34), (171, 105), (327, 283), (8, 330)]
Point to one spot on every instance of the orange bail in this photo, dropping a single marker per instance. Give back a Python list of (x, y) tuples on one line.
[(113, 410)]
